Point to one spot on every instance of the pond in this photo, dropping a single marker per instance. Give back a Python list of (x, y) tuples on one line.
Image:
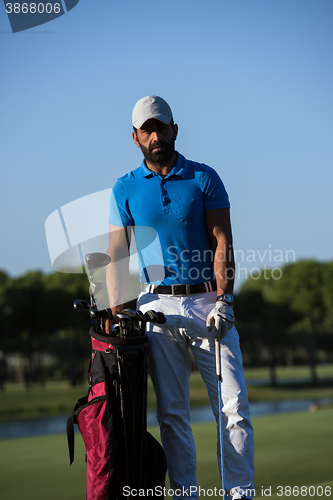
[(57, 425)]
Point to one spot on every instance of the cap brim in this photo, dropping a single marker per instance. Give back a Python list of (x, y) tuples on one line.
[(162, 118)]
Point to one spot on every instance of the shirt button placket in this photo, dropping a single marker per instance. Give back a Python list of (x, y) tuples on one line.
[(165, 198)]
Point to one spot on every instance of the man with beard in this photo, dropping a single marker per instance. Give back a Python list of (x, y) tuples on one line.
[(187, 205)]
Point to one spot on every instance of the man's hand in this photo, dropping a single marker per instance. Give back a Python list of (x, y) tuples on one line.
[(109, 324), (222, 318), (114, 321)]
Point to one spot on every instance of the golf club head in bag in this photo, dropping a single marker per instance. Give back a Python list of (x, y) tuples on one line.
[(155, 317), (81, 305), (129, 318), (98, 316), (95, 288), (94, 262)]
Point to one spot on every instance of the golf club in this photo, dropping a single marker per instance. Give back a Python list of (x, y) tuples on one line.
[(95, 261), (95, 288), (218, 357), (129, 316), (137, 315), (95, 313), (125, 325), (81, 305), (155, 317), (100, 314)]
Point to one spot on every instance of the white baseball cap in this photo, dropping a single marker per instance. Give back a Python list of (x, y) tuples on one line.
[(148, 107)]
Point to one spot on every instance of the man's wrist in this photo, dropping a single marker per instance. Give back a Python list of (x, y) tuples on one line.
[(117, 309), (227, 298)]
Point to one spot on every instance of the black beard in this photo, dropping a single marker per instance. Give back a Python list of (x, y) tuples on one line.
[(162, 156)]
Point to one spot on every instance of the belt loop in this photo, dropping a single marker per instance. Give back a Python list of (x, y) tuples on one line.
[(188, 289), (151, 288)]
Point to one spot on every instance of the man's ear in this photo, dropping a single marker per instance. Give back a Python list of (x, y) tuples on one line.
[(175, 131), (135, 138)]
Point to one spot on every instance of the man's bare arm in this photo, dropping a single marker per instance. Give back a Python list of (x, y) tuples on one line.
[(219, 229), (118, 270)]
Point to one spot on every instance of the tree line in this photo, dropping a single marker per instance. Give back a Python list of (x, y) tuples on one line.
[(40, 329), (280, 321), (289, 319)]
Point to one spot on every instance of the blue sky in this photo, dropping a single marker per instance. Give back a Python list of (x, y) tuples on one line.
[(250, 84)]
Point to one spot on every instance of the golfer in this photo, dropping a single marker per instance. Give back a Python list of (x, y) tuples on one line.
[(188, 275)]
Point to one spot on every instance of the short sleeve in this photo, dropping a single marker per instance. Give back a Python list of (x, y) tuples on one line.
[(119, 211), (215, 194)]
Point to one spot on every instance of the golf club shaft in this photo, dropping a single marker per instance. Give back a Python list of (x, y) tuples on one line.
[(218, 357)]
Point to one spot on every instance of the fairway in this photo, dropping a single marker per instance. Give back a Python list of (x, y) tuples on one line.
[(292, 450)]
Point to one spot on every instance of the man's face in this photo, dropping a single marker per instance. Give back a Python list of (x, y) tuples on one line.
[(156, 141)]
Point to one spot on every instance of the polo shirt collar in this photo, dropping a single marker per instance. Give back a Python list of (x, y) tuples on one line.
[(181, 168)]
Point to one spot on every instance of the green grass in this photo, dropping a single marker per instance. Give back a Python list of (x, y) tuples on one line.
[(290, 450), (58, 398), (301, 372)]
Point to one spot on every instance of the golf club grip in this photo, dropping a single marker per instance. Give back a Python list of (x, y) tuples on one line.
[(218, 359), (155, 317)]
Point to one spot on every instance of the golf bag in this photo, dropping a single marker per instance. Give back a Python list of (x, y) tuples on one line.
[(112, 419)]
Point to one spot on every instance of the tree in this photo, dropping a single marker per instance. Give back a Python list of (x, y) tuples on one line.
[(306, 290), (70, 340), (24, 318), (4, 278), (304, 296), (35, 308), (37, 316), (261, 323)]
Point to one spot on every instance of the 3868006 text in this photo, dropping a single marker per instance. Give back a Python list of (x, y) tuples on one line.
[(33, 8)]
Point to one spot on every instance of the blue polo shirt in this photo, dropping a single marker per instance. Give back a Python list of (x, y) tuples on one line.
[(167, 214)]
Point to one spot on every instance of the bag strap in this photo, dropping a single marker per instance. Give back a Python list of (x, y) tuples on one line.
[(70, 427), (70, 437)]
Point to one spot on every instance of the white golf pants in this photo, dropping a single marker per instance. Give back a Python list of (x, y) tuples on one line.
[(170, 369)]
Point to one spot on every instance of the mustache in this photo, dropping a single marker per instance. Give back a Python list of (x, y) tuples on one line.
[(159, 144)]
